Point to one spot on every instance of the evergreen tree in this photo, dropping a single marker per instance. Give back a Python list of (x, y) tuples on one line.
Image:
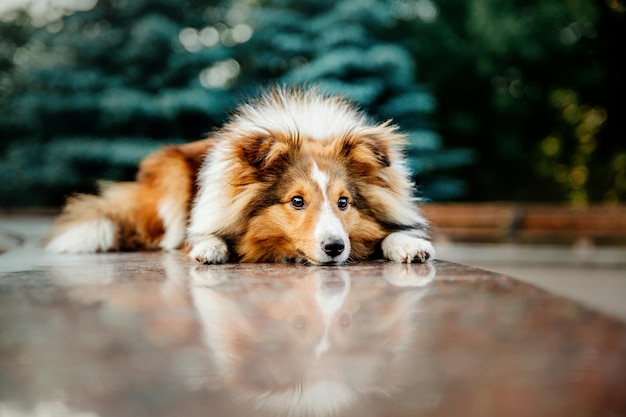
[(95, 91), (98, 90)]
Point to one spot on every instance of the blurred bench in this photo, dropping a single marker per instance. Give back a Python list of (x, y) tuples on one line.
[(534, 223)]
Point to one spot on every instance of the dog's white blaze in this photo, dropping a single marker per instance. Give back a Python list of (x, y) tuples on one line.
[(328, 224), (321, 179)]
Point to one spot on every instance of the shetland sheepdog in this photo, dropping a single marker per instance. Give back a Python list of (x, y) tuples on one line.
[(294, 176)]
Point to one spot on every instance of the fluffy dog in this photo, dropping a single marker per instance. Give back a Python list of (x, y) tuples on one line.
[(294, 176)]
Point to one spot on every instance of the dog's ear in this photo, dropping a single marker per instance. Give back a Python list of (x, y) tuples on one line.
[(370, 150), (267, 152)]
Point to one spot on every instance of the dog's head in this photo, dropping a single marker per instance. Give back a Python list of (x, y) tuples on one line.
[(305, 213), (311, 180)]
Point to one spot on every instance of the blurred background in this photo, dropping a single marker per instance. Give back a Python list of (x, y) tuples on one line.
[(515, 109), (504, 100)]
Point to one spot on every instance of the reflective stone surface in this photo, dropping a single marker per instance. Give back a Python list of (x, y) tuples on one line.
[(154, 334)]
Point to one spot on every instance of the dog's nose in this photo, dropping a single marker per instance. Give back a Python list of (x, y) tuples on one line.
[(333, 247)]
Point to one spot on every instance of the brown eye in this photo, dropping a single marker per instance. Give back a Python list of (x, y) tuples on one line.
[(297, 202), (342, 204)]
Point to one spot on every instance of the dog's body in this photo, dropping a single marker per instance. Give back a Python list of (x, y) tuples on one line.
[(295, 176)]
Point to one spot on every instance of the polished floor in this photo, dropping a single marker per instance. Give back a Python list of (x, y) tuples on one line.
[(154, 334), (592, 275)]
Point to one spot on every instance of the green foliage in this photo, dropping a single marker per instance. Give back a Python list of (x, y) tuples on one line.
[(495, 67), (475, 84)]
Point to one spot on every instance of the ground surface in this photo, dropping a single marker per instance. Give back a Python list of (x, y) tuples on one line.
[(154, 334)]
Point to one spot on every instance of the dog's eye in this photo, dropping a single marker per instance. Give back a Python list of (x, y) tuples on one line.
[(297, 202), (342, 204)]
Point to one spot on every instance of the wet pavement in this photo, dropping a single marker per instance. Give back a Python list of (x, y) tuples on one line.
[(155, 334)]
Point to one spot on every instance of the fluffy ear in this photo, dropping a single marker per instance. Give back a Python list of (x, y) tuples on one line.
[(265, 153), (370, 150)]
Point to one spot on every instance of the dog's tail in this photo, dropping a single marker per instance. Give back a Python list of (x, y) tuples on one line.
[(149, 213), (116, 219)]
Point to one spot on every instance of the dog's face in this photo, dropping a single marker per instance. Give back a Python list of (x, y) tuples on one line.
[(311, 219), (311, 208)]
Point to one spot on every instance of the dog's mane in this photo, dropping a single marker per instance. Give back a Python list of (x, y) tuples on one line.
[(302, 112)]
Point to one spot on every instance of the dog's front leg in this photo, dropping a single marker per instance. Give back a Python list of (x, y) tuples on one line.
[(209, 249), (407, 247)]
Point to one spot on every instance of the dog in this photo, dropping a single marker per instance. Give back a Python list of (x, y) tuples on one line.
[(295, 175)]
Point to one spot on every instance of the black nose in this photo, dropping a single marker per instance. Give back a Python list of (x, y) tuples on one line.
[(333, 247)]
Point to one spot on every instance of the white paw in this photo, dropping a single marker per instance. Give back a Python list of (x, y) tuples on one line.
[(210, 250), (402, 247)]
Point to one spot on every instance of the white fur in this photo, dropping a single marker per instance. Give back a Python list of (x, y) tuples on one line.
[(211, 249), (173, 217), (328, 225), (214, 208), (314, 117), (404, 247), (210, 210), (320, 178), (93, 236)]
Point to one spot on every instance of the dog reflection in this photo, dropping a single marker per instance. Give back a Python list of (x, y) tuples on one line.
[(316, 344)]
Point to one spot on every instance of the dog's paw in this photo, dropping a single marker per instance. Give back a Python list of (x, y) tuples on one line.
[(404, 248), (210, 250)]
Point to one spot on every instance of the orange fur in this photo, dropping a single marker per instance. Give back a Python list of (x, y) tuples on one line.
[(169, 173)]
